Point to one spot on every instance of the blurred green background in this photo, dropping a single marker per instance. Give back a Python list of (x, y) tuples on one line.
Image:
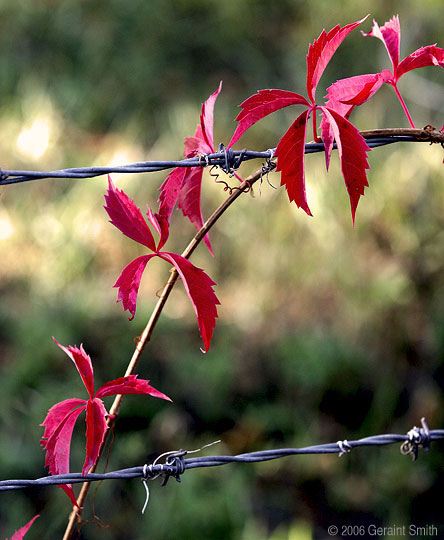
[(326, 332)]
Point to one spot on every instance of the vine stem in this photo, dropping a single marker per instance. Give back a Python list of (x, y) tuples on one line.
[(245, 186), (427, 134)]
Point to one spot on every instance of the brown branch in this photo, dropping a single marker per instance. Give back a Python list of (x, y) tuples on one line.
[(428, 133), (75, 516)]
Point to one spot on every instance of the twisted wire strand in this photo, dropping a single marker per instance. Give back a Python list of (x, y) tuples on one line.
[(228, 160), (176, 464)]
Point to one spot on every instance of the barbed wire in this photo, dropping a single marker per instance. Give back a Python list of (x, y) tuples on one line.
[(227, 159), (175, 463)]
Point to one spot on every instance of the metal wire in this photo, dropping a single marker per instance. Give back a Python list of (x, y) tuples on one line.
[(176, 464), (229, 160)]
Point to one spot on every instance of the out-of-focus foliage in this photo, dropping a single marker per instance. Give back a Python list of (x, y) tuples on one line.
[(326, 332)]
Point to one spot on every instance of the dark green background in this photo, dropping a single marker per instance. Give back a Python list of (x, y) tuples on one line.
[(326, 332)]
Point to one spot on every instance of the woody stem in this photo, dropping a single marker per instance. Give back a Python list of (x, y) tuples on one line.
[(75, 516)]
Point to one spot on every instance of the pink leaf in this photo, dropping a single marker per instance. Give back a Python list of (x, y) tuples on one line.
[(207, 116), (18, 535), (95, 431), (199, 287), (321, 52), (262, 104), (290, 152), (426, 56), (129, 385), (83, 364), (390, 35), (127, 217), (128, 283), (352, 150), (189, 200), (170, 189)]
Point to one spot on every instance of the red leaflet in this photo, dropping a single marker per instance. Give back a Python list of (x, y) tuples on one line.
[(262, 104), (127, 218), (352, 150), (198, 285), (189, 200), (361, 88), (129, 385), (18, 535), (425, 56), (83, 364), (291, 161), (170, 189), (207, 119), (390, 35), (176, 188), (291, 147), (343, 96), (56, 439), (128, 283), (321, 52), (61, 418), (95, 431)]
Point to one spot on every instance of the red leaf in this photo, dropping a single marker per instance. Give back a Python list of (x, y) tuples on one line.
[(206, 118), (18, 535), (425, 56), (83, 364), (56, 415), (197, 144), (343, 96), (390, 35), (95, 431), (352, 150), (127, 217), (129, 385), (57, 438), (128, 283), (189, 200), (199, 287), (184, 184), (262, 104), (161, 223), (321, 52), (290, 153), (58, 444), (170, 189)]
